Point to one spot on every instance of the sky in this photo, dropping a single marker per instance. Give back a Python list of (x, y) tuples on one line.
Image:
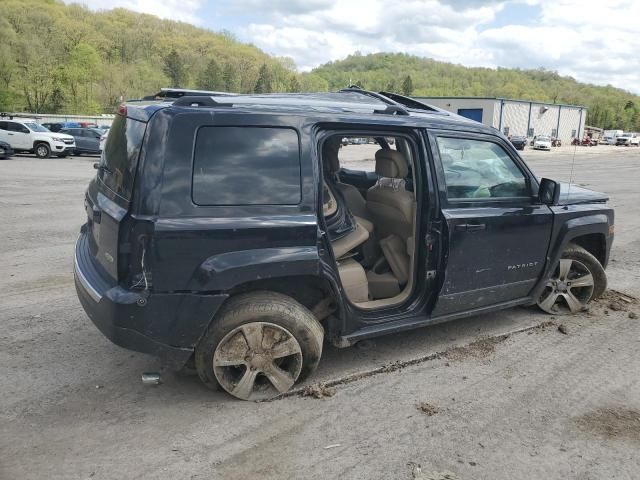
[(593, 41)]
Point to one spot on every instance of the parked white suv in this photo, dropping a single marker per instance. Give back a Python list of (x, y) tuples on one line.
[(26, 135), (628, 139)]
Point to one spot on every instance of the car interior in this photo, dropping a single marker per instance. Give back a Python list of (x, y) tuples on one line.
[(371, 180)]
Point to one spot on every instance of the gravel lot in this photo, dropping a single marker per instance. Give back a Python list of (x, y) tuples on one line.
[(505, 396)]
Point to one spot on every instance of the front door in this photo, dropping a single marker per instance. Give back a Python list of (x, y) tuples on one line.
[(81, 140), (497, 234), (19, 136)]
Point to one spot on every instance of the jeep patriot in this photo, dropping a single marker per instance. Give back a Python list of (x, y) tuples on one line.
[(229, 233)]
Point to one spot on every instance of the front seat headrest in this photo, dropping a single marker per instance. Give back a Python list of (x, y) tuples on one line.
[(391, 164)]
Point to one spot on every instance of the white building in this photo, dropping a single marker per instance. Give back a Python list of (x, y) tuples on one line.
[(518, 117), (104, 119)]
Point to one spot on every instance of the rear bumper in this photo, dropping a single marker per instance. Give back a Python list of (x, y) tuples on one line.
[(167, 326)]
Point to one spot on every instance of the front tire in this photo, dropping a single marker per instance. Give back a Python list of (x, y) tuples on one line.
[(577, 280), (42, 150), (259, 345)]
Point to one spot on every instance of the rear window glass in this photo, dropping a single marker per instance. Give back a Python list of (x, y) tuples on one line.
[(246, 166), (120, 156)]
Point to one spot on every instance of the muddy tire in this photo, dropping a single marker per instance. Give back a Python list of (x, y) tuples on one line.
[(259, 345), (42, 150), (578, 279)]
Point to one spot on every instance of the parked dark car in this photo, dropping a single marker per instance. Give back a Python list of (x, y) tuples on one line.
[(518, 141), (5, 150), (87, 139), (224, 231), (58, 126)]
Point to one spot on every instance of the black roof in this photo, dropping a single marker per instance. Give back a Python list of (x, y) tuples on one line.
[(351, 102)]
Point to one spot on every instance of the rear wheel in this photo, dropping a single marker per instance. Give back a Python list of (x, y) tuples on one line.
[(259, 345), (577, 280), (42, 150)]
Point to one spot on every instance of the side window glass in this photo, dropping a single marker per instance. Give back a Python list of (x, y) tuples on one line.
[(479, 169), (246, 166), (12, 127), (3, 126)]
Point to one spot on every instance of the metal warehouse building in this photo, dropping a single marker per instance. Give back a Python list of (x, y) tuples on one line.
[(518, 117)]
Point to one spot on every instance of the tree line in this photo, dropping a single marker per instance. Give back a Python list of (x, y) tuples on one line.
[(608, 107), (59, 58)]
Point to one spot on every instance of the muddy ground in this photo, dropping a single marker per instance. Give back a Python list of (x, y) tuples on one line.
[(516, 394)]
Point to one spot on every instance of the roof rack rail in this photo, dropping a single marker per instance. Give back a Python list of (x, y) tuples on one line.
[(408, 101), (199, 101), (393, 110), (393, 107), (356, 89)]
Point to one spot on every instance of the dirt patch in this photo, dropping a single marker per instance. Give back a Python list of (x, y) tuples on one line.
[(428, 409), (479, 349), (541, 327), (318, 391), (417, 473), (616, 301), (623, 423)]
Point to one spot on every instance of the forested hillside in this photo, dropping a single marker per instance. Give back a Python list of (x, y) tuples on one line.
[(609, 107), (57, 58), (66, 58)]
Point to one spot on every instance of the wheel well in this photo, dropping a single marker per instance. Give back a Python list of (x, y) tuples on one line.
[(306, 289), (38, 142), (594, 243)]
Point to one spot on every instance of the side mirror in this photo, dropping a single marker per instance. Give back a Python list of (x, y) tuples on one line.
[(549, 192)]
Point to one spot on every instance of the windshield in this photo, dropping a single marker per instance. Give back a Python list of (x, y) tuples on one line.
[(34, 127), (626, 135), (543, 139)]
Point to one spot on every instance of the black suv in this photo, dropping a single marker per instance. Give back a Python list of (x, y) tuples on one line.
[(240, 232)]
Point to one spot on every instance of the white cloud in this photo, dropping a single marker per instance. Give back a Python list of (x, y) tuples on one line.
[(181, 10), (593, 41)]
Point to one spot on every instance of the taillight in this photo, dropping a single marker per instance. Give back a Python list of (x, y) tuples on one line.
[(122, 110)]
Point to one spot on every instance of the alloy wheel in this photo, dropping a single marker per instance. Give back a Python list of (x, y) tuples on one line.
[(569, 290), (42, 151), (257, 361)]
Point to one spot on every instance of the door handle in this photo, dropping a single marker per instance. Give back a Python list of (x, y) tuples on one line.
[(9, 133), (470, 227)]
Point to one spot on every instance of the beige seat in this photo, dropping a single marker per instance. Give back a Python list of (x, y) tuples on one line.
[(352, 274), (353, 239), (389, 205), (354, 199), (395, 251), (352, 196)]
